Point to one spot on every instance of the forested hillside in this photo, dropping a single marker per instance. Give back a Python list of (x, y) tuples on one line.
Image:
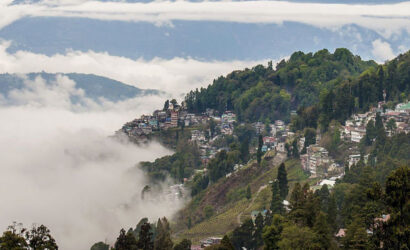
[(264, 93)]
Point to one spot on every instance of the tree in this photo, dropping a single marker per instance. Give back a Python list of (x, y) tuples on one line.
[(259, 152), (244, 149), (391, 126), (212, 127), (272, 233), (145, 239), (356, 236), (163, 238), (40, 238), (125, 241), (100, 246), (243, 236), (226, 243), (297, 238), (13, 238), (259, 229), (166, 105), (248, 192), (370, 133), (295, 150), (283, 181), (332, 212), (208, 211), (276, 203), (174, 103), (397, 198), (310, 137), (185, 244), (322, 231), (324, 196)]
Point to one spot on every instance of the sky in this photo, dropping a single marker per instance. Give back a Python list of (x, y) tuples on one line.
[(58, 165)]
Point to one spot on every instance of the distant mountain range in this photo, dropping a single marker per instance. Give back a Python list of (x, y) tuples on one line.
[(94, 86)]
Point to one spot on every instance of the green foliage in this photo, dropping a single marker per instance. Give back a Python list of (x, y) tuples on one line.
[(272, 233), (145, 237), (297, 237), (208, 211), (126, 241), (185, 244), (248, 192), (243, 236), (283, 181), (199, 183), (179, 165), (220, 166), (259, 152), (100, 246), (262, 92), (276, 204), (356, 236), (163, 238), (18, 238)]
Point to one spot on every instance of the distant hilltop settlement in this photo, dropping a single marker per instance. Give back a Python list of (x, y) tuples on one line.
[(315, 158)]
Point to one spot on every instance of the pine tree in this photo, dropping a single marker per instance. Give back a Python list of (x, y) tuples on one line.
[(125, 241), (185, 244), (356, 236), (248, 192), (295, 149), (145, 240), (258, 229), (243, 236), (332, 212), (226, 243), (323, 233), (283, 181), (276, 204), (259, 152), (163, 238), (271, 233)]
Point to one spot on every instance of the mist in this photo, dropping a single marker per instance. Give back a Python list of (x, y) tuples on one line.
[(59, 167)]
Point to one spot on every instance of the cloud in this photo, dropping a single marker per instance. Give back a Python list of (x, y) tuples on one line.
[(386, 19), (175, 76), (382, 51), (59, 167)]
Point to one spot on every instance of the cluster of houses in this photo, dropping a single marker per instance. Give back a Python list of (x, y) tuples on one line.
[(317, 159), (355, 128), (173, 117)]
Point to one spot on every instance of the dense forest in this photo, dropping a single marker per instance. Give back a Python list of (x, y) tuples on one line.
[(264, 93)]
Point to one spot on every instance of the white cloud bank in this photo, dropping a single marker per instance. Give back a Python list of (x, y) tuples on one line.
[(382, 51), (58, 167), (175, 76), (386, 19)]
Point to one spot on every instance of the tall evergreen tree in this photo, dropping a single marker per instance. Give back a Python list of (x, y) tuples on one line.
[(356, 236), (226, 243), (243, 236), (185, 244), (163, 238), (271, 233), (283, 181), (126, 241), (276, 204), (258, 230), (145, 239), (259, 152), (323, 233)]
